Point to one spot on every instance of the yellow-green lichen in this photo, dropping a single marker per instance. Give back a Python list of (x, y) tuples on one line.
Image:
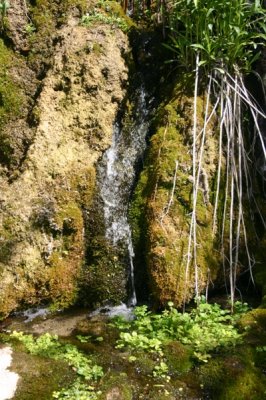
[(46, 16), (11, 97), (65, 263)]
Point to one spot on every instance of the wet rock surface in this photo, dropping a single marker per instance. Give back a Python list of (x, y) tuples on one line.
[(42, 206)]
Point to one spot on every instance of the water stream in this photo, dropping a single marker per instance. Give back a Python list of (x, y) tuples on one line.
[(116, 178)]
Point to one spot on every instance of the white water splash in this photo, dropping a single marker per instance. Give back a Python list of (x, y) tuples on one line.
[(8, 379), (122, 310), (31, 313)]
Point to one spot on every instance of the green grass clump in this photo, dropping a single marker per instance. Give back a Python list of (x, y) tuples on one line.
[(221, 32), (109, 13), (78, 391)]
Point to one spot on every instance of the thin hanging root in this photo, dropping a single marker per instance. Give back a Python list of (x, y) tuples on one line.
[(247, 98), (197, 168), (192, 231), (238, 164), (171, 199), (221, 128), (239, 180), (158, 157), (196, 185), (232, 94), (259, 131), (227, 132), (245, 95), (232, 197)]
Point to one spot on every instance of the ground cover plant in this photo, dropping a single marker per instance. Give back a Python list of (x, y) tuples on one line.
[(49, 346), (107, 12), (207, 329)]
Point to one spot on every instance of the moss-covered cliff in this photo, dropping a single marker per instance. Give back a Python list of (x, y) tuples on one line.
[(59, 100), (161, 208)]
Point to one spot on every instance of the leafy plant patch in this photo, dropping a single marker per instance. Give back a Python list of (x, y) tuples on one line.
[(48, 345), (99, 16), (206, 329)]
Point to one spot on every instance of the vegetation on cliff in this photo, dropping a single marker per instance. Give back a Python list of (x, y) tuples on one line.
[(217, 43), (190, 204), (59, 100)]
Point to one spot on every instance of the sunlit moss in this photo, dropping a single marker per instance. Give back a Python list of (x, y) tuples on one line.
[(164, 199)]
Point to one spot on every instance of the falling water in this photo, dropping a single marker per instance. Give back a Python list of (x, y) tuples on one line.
[(117, 174)]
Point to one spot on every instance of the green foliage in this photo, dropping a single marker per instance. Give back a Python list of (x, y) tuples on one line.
[(139, 341), (261, 349), (105, 16), (161, 371), (85, 339), (206, 329), (49, 346), (30, 28), (4, 6), (221, 32), (77, 391)]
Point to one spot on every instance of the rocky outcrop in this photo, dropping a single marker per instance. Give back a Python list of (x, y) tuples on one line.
[(43, 203), (161, 208), (18, 20)]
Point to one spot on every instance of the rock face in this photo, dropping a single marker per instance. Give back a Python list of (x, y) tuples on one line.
[(161, 206), (18, 20), (48, 189)]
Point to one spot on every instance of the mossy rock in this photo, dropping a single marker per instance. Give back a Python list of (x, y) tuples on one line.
[(178, 357), (13, 105), (144, 363), (39, 377), (116, 386), (234, 377), (162, 205), (11, 96), (253, 324), (46, 17)]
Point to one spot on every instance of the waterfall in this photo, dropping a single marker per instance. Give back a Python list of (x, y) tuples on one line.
[(116, 179)]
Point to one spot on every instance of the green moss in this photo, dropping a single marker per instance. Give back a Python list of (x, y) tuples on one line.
[(165, 242), (40, 377), (46, 16), (65, 264), (145, 363), (97, 49), (116, 386), (234, 377), (104, 278), (83, 183), (11, 98), (178, 357), (7, 237), (253, 324)]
